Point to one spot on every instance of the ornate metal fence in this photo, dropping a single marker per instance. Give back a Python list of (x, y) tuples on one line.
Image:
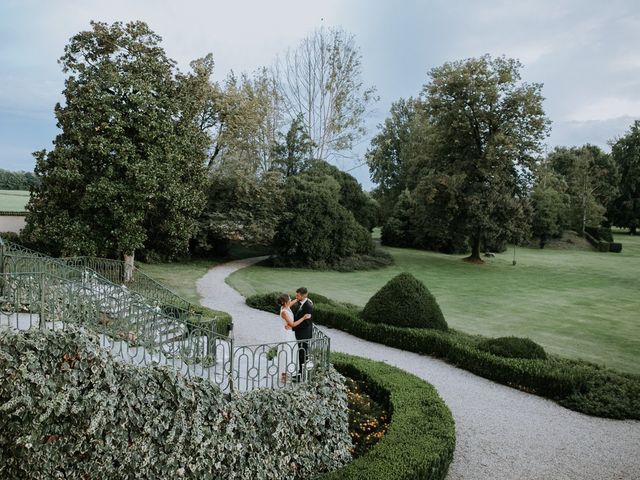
[(43, 292)]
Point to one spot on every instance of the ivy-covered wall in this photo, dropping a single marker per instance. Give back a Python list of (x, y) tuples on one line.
[(68, 409)]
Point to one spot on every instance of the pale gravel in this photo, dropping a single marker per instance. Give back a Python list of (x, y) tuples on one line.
[(501, 433)]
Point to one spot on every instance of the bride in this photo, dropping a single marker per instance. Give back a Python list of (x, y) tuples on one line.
[(288, 351)]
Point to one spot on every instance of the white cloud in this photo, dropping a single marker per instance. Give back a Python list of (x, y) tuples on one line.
[(606, 108)]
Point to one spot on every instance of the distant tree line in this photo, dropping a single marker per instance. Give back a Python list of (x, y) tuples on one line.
[(162, 163), (10, 180), (461, 168)]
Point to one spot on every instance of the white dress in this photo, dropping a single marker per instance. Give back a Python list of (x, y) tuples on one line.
[(287, 334), (288, 348)]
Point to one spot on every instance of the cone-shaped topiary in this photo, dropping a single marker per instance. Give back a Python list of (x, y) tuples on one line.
[(405, 302)]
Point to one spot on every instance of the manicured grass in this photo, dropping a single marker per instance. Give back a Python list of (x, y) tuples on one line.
[(13, 200), (579, 304), (180, 277)]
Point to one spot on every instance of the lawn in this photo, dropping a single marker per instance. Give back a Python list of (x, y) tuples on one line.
[(13, 200), (180, 277), (580, 304)]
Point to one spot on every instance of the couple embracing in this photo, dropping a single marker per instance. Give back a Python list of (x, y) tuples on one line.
[(298, 327)]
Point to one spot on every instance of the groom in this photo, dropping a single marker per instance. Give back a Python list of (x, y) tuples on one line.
[(304, 331)]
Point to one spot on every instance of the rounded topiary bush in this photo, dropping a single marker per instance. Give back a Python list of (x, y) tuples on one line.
[(405, 302), (513, 347)]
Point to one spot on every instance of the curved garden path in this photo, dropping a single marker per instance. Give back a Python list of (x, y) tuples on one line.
[(501, 433)]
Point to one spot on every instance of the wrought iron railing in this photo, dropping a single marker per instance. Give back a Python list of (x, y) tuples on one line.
[(59, 294), (16, 258)]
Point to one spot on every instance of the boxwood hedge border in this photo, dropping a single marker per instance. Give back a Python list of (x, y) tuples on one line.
[(578, 385), (420, 440)]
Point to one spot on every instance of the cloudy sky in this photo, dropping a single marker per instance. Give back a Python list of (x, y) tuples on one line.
[(585, 52)]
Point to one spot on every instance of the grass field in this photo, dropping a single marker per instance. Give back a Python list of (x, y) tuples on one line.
[(180, 277), (13, 200), (577, 303)]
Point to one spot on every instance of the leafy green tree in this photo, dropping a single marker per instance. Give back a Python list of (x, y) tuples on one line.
[(17, 180), (316, 230), (320, 82), (386, 157), (293, 150), (127, 169), (241, 208), (399, 229), (352, 196), (591, 178), (479, 132), (550, 205), (624, 210)]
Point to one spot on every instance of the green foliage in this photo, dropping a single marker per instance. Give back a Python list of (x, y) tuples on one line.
[(240, 209), (399, 229), (127, 170), (624, 210), (420, 439), (222, 319), (471, 146), (17, 180), (316, 230), (591, 177), (405, 302), (351, 196), (294, 149), (70, 410), (320, 83), (513, 347), (550, 205), (387, 158), (581, 386)]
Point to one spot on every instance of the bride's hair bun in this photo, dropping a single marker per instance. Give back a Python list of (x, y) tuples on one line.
[(282, 299)]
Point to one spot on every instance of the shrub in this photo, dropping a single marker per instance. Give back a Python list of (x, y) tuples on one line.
[(70, 410), (223, 319), (404, 302), (513, 347), (420, 440), (615, 247), (318, 231), (578, 385)]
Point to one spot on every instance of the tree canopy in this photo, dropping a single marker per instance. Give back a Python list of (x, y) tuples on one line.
[(126, 172), (624, 210)]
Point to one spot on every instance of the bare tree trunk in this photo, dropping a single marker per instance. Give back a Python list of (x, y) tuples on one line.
[(128, 267)]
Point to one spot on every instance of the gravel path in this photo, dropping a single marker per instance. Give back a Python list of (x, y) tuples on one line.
[(501, 433)]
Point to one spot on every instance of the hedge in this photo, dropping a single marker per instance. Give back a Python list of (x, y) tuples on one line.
[(578, 385), (69, 409), (404, 301), (420, 440), (513, 347)]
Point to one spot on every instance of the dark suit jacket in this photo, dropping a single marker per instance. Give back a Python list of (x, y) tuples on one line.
[(305, 329)]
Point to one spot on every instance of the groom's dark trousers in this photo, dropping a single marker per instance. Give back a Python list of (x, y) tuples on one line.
[(303, 332)]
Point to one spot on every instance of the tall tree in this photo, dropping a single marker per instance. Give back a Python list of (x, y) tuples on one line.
[(293, 150), (320, 81), (624, 211), (387, 158), (480, 130), (550, 204), (592, 179), (126, 170)]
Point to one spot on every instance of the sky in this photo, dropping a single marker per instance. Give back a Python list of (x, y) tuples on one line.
[(585, 53)]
